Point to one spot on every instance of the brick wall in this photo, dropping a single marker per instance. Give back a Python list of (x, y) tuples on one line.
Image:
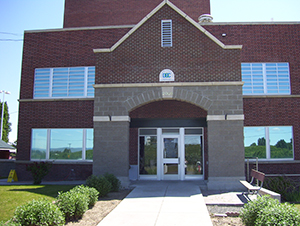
[(58, 172), (62, 49), (274, 112), (265, 43), (85, 13), (193, 58), (51, 114), (168, 109)]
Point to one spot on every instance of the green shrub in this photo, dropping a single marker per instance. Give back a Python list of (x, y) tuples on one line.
[(8, 223), (115, 182), (38, 212), (251, 210), (72, 204), (280, 214), (39, 170), (101, 184), (286, 187), (92, 193), (266, 211)]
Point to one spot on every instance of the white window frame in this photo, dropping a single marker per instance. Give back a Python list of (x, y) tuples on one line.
[(277, 78), (48, 141), (43, 82), (166, 33)]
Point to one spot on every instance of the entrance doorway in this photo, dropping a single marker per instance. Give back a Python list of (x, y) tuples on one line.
[(171, 153)]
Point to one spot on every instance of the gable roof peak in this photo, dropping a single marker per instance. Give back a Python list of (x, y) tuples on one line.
[(180, 12)]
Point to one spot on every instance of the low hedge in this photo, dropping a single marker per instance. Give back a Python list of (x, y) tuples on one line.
[(101, 184), (266, 211), (72, 204), (91, 193), (115, 182), (38, 212)]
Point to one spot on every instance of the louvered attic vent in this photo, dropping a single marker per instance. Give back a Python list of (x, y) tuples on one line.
[(166, 33)]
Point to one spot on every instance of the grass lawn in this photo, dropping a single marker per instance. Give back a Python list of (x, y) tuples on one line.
[(12, 196)]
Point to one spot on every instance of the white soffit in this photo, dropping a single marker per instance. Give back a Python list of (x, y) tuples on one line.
[(175, 8)]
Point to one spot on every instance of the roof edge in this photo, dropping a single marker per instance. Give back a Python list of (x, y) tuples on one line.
[(253, 23), (80, 28)]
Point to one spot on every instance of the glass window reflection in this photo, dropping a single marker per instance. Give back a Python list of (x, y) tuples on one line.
[(89, 144), (38, 144), (255, 142), (66, 143), (193, 155)]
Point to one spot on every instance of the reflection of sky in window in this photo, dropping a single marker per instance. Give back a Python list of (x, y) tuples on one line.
[(192, 139), (252, 134), (279, 133), (70, 138), (39, 139), (89, 139)]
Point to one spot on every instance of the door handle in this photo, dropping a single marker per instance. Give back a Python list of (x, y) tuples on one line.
[(178, 160)]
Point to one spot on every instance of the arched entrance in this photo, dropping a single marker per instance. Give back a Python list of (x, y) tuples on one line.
[(167, 141)]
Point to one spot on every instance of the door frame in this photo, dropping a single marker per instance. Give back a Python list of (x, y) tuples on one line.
[(159, 156)]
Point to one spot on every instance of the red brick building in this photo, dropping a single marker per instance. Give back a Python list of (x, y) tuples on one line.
[(144, 90)]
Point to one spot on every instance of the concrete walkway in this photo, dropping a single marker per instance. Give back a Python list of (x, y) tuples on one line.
[(161, 203)]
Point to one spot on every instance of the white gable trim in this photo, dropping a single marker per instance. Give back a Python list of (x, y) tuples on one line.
[(167, 2)]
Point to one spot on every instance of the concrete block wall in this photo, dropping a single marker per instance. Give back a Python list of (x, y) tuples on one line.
[(111, 149), (225, 157)]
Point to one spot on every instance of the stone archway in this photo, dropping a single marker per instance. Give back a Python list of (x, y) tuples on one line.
[(223, 102)]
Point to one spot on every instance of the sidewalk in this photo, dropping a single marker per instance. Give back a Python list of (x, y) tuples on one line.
[(161, 203)]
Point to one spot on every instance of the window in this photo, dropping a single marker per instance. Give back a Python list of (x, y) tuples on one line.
[(266, 78), (62, 144), (274, 142), (166, 33), (148, 151), (64, 82)]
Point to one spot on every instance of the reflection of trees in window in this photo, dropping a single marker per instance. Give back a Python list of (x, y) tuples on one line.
[(281, 149), (148, 155), (261, 142)]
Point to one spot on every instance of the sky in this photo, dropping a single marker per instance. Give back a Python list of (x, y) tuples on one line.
[(19, 15)]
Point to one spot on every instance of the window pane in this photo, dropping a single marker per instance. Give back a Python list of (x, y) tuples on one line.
[(66, 144), (147, 131), (255, 75), (89, 144), (193, 155), (148, 146), (64, 82), (170, 131), (255, 142), (38, 143), (281, 142), (193, 131), (41, 82)]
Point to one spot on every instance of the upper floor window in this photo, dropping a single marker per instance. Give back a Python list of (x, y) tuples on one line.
[(266, 78), (166, 33), (64, 82)]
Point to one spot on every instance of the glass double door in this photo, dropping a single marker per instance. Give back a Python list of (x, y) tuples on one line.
[(182, 157), (171, 154)]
